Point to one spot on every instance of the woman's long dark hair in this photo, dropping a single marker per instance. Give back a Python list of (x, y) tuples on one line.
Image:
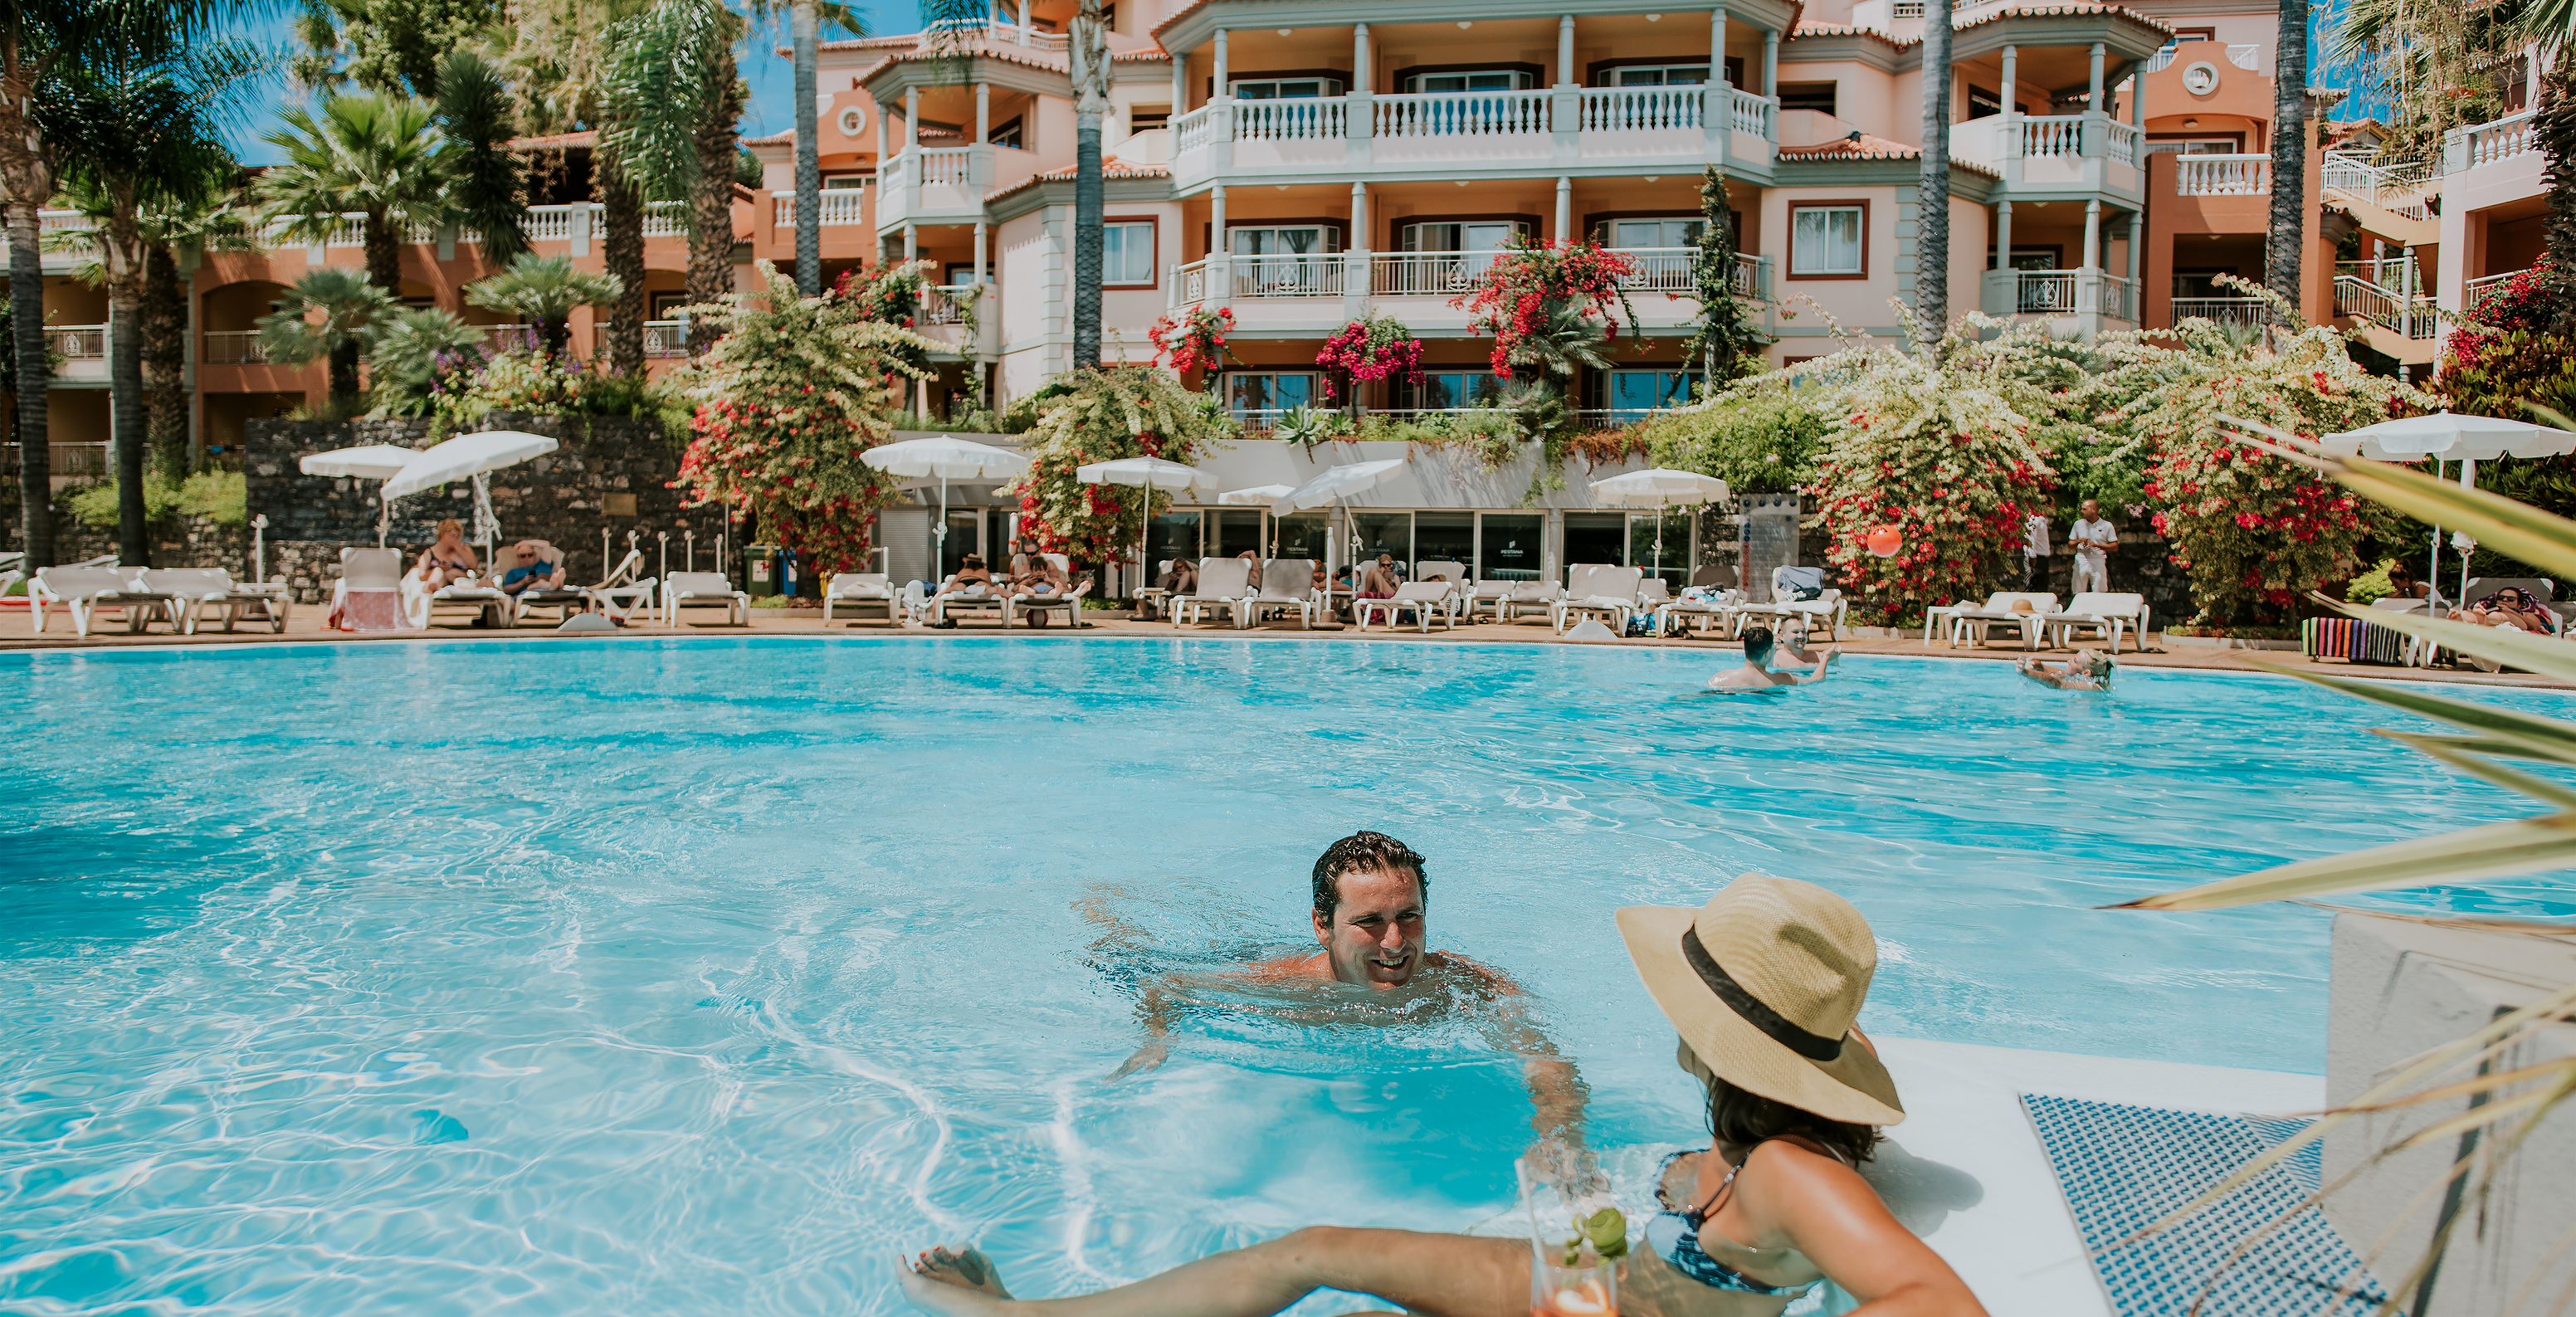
[(1744, 1119)]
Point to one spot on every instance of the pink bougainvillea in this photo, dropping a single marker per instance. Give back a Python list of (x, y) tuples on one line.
[(1370, 349)]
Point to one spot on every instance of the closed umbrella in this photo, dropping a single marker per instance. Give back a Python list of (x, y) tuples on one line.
[(2444, 437), (364, 462), (1659, 488), (474, 457), (1149, 473), (1332, 485), (946, 458)]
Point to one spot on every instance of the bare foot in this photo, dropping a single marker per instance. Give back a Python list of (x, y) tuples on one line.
[(958, 1281)]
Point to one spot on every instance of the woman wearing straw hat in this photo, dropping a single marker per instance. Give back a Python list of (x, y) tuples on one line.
[(1764, 984)]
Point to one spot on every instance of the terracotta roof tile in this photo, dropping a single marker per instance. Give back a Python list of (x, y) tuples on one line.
[(1870, 146), (1110, 168)]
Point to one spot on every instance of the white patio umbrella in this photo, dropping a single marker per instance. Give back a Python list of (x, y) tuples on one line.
[(470, 457), (2444, 437), (946, 458), (1261, 494), (364, 462), (1150, 473), (1659, 488), (1332, 485)]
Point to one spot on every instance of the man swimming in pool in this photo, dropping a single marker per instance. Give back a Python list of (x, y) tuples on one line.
[(1368, 912)]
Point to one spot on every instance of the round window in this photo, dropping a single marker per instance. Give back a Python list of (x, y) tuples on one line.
[(2200, 79), (853, 119)]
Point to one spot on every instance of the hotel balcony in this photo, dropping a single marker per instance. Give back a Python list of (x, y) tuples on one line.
[(2084, 301), (1293, 296), (1497, 134), (2054, 155), (82, 350)]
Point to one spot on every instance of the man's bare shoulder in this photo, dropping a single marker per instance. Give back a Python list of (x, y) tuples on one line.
[(1473, 974)]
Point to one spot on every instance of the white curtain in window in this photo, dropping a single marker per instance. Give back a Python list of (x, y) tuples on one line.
[(1826, 241)]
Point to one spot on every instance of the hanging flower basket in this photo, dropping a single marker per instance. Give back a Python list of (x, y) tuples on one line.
[(1369, 349), (1192, 339)]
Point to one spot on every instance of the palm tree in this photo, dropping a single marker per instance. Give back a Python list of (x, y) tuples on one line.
[(805, 27), (674, 100), (1932, 193), (2289, 227), (348, 305), (1088, 53), (561, 58), (137, 120), (36, 38), (405, 350), (542, 291), (486, 193), (380, 156)]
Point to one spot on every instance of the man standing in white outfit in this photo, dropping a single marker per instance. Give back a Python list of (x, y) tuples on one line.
[(2034, 553), (2093, 541)]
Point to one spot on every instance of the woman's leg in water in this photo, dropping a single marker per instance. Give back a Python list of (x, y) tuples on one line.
[(1436, 1275)]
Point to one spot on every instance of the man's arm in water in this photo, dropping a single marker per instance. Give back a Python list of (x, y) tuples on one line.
[(1154, 1011), (1556, 1088)]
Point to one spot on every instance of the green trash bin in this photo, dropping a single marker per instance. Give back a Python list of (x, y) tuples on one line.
[(760, 570)]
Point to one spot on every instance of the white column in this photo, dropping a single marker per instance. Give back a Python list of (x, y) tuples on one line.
[(1717, 48), (911, 119), (1717, 123), (1024, 22), (983, 112), (1565, 49), (2003, 235), (1220, 63), (2095, 105), (2093, 234), (1771, 64), (1363, 77), (1564, 208), (983, 275), (1356, 264), (1359, 217), (1220, 278), (881, 138), (2012, 62), (1180, 83)]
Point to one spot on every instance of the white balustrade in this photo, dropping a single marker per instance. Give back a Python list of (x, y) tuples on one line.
[(2501, 140), (1660, 269), (943, 166), (2479, 290), (2363, 300), (2164, 56), (2245, 57), (2222, 175), (2052, 134), (1907, 9), (233, 347), (1427, 274), (1460, 114), (1195, 129), (1752, 276), (77, 342), (2223, 310), (1752, 114), (551, 223), (2122, 141), (1286, 276), (2115, 297), (1302, 119), (666, 338), (2046, 292), (837, 206), (949, 304), (1190, 283), (1628, 109), (64, 221), (666, 219), (2397, 188)]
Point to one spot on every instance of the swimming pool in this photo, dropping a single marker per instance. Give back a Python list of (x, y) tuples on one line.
[(703, 975)]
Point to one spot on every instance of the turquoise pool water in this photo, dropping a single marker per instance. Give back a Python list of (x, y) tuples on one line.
[(703, 976)]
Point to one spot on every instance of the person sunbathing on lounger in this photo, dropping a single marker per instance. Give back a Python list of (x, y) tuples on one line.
[(533, 572), (1756, 674), (1039, 578), (2506, 607), (1381, 581), (972, 579), (2089, 670), (449, 560)]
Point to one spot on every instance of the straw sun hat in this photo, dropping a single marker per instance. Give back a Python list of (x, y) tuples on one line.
[(1764, 983)]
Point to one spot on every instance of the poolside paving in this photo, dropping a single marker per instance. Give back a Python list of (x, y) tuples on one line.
[(305, 626)]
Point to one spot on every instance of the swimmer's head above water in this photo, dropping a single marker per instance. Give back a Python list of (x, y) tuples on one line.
[(1369, 891), (1757, 646)]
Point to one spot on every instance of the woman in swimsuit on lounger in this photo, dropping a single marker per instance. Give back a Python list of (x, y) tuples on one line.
[(449, 560), (1772, 1209)]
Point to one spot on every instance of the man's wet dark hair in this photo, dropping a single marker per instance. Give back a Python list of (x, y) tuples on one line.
[(1757, 644), (1363, 852)]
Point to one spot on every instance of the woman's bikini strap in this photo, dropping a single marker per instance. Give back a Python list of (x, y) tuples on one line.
[(1737, 1168)]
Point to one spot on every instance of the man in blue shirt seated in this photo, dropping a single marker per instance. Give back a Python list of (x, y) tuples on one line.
[(531, 572)]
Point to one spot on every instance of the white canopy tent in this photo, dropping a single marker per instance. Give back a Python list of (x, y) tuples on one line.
[(470, 457), (944, 458), (1332, 485), (364, 462), (1150, 474), (2444, 437), (1659, 488)]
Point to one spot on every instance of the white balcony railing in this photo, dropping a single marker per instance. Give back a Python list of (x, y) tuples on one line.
[(2364, 300), (505, 338), (2246, 57), (949, 304), (666, 338), (2114, 298), (1460, 114), (553, 223), (1305, 119), (1906, 9), (837, 206), (2046, 292), (2224, 310), (2222, 175), (233, 347), (1189, 283), (2398, 272), (1194, 130), (77, 342), (1753, 114), (2052, 134), (969, 31), (942, 166), (63, 221), (1427, 274), (2479, 290), (1627, 109), (2121, 141), (666, 219), (2503, 139), (1286, 276), (2397, 188)]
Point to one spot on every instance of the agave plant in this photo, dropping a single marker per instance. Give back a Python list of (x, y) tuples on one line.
[(2508, 1103), (1306, 426)]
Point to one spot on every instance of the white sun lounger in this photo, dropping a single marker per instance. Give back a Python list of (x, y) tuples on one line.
[(193, 590), (1975, 621), (2107, 615), (1287, 586), (82, 591), (1069, 603), (860, 591), (1597, 590), (684, 588), (1421, 598), (1528, 597), (1680, 614), (621, 593), (1224, 583)]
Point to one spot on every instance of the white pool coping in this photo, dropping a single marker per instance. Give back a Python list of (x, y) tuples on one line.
[(1968, 1174)]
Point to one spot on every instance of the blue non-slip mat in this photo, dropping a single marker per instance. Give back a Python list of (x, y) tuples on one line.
[(2123, 1168)]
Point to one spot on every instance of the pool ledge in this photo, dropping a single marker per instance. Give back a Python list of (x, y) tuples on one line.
[(1968, 1174)]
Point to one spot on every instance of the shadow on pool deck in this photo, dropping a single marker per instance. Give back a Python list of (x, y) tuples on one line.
[(16, 632)]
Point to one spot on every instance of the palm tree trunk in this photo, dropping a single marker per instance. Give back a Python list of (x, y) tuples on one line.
[(806, 26), (123, 252), (384, 252), (2289, 229), (1932, 193), (165, 361), (711, 210), (1090, 60), (621, 340), (27, 330)]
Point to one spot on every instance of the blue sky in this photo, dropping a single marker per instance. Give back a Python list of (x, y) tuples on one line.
[(770, 76)]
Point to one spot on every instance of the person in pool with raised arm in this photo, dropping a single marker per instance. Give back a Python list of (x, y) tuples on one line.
[(1764, 984), (1369, 896), (1756, 674)]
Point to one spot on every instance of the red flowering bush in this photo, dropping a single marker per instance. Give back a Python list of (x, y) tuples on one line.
[(788, 398), (1192, 338), (1535, 293), (1371, 348)]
